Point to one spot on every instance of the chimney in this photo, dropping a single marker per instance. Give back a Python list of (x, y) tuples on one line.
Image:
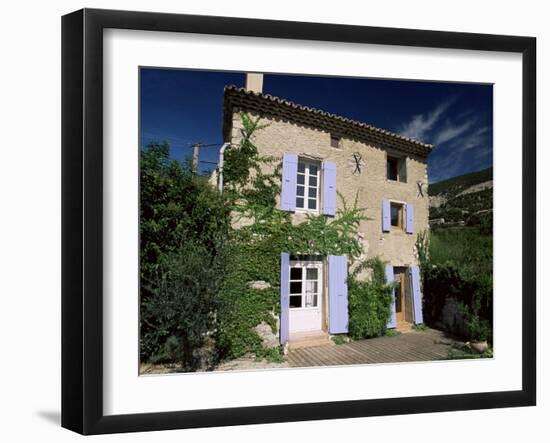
[(254, 81)]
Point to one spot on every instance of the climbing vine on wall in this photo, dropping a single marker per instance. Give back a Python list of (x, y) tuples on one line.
[(203, 254), (265, 231)]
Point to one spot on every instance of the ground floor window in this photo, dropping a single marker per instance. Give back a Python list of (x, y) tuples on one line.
[(304, 284)]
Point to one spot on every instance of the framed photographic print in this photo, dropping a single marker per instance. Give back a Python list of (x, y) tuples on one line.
[(269, 221)]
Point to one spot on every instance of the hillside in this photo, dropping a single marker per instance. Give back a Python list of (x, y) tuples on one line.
[(455, 185), (465, 200)]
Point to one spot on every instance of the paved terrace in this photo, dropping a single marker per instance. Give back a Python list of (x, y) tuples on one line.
[(412, 346)]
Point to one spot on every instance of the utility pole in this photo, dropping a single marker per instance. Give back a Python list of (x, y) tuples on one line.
[(195, 164), (196, 158)]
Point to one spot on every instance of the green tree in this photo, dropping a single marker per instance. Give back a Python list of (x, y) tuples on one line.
[(179, 212)]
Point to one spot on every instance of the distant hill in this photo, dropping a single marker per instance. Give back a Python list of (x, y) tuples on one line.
[(465, 200), (454, 185)]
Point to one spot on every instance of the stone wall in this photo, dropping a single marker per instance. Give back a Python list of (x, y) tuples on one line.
[(371, 185)]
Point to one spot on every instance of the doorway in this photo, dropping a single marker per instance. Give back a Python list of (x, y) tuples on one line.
[(402, 307), (306, 296)]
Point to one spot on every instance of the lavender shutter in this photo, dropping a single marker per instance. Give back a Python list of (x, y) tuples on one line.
[(329, 188), (417, 295), (386, 216), (285, 288), (410, 218), (338, 294), (390, 279), (288, 185)]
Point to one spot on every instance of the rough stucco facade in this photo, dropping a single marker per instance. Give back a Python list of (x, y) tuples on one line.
[(371, 185)]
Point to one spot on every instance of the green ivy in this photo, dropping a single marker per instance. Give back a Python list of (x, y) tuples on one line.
[(267, 231), (197, 265), (369, 301)]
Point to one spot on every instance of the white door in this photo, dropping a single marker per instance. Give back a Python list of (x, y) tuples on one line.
[(306, 296)]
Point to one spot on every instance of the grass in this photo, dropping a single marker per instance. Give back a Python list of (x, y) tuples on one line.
[(461, 354), (420, 327), (273, 355), (463, 247)]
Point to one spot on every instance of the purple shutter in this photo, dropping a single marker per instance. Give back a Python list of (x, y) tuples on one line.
[(329, 188), (285, 288), (338, 294), (417, 295), (390, 279), (288, 185), (386, 216), (410, 218)]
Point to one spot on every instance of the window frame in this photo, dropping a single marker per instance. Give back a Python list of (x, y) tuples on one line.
[(337, 139), (400, 167), (306, 185), (304, 265), (401, 221)]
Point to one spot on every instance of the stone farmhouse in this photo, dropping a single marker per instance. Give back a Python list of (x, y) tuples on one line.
[(321, 154)]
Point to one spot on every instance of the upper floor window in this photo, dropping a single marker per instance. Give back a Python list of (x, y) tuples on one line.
[(307, 185), (301, 183), (396, 215), (334, 141), (396, 168)]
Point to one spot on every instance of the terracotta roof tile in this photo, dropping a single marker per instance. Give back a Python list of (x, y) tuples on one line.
[(237, 99)]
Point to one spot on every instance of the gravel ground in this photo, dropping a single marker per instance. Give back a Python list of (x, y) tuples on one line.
[(246, 363)]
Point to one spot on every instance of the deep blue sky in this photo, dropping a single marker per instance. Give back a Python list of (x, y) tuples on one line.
[(184, 107)]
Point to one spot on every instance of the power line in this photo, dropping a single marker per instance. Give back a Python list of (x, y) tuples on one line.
[(204, 145), (178, 141)]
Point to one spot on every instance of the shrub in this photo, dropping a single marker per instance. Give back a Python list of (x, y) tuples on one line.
[(339, 340), (369, 301), (457, 267), (180, 213), (185, 303), (478, 329)]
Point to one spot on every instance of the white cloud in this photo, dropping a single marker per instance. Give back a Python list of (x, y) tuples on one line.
[(421, 124), (471, 140), (461, 140), (451, 131)]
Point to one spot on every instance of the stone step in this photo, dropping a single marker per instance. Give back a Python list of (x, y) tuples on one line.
[(308, 339), (404, 327)]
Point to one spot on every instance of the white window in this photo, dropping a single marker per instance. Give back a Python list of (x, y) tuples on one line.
[(307, 186), (305, 285)]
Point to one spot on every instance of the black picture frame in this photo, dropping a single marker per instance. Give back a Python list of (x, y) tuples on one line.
[(82, 219)]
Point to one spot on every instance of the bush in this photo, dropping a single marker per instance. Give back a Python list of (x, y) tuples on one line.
[(185, 304), (369, 301), (478, 329), (457, 267), (180, 214)]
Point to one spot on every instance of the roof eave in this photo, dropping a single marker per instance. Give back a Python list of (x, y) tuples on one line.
[(266, 105)]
